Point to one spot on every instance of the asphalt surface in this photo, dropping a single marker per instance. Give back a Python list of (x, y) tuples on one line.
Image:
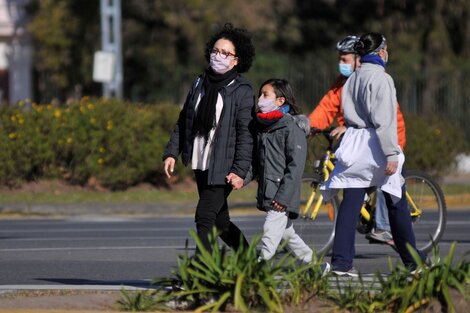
[(99, 252)]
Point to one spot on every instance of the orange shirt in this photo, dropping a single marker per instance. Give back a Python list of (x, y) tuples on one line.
[(330, 107)]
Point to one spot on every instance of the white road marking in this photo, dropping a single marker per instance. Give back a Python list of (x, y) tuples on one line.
[(93, 248)]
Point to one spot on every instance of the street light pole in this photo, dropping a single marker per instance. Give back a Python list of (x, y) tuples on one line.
[(111, 42)]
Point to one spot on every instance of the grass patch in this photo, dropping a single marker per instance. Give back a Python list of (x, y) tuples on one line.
[(53, 192)]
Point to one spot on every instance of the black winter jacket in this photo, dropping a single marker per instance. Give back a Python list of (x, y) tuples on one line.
[(233, 143)]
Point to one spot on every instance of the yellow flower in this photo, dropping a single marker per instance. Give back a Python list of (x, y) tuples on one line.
[(437, 131), (69, 141), (82, 109), (90, 106), (102, 150), (12, 135), (21, 121), (109, 126), (100, 161), (57, 113), (93, 120), (13, 118), (49, 106), (21, 104)]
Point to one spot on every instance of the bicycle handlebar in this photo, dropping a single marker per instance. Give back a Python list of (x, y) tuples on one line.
[(325, 132), (315, 131)]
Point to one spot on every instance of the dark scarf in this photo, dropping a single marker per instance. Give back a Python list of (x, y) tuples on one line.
[(374, 59), (265, 120), (205, 116)]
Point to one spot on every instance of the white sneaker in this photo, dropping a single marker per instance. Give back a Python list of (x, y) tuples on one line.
[(352, 272)]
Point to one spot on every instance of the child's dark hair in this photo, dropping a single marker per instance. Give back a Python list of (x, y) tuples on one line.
[(370, 42), (241, 39), (282, 88)]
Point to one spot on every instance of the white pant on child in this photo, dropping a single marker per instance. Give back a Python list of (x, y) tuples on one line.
[(278, 226)]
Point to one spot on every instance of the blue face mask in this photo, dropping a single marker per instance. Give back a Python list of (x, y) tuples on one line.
[(345, 69)]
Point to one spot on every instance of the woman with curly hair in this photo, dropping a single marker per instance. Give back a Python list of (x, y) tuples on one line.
[(212, 132)]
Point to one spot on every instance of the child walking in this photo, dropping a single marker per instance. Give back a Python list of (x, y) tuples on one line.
[(281, 150)]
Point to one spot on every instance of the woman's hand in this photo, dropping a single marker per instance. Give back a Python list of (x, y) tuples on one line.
[(391, 168), (338, 131), (235, 180), (169, 166)]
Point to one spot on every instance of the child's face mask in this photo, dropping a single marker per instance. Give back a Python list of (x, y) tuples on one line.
[(267, 105)]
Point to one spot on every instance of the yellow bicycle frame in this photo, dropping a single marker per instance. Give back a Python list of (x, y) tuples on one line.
[(328, 166), (415, 211)]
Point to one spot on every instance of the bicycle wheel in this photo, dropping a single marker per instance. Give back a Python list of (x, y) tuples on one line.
[(319, 232), (428, 197)]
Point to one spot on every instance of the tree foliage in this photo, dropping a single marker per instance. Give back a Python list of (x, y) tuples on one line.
[(164, 42)]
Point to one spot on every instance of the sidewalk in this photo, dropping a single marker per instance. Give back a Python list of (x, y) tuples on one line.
[(59, 301)]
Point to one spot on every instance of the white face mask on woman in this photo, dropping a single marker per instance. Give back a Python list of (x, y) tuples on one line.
[(219, 64), (267, 105)]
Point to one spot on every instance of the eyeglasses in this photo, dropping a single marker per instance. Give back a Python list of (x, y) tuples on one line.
[(223, 54)]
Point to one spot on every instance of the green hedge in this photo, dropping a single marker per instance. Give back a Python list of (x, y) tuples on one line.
[(433, 143), (119, 144)]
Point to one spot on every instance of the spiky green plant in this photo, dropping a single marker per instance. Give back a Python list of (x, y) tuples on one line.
[(304, 282), (137, 301), (211, 280), (402, 292)]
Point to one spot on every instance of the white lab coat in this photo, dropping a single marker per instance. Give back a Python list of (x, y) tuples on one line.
[(361, 163)]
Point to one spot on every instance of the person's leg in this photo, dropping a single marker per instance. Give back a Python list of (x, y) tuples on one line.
[(273, 229), (381, 231), (211, 200), (348, 214), (381, 212), (300, 249), (402, 229), (228, 231)]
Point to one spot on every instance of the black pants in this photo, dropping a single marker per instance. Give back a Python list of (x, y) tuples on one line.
[(212, 210)]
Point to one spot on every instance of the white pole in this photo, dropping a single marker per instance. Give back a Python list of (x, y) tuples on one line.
[(111, 42)]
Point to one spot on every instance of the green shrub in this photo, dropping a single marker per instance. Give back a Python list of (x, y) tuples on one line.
[(117, 143), (432, 144)]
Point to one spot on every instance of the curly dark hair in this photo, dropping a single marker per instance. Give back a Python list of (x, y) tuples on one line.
[(241, 39)]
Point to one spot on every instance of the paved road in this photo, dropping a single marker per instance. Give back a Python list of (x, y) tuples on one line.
[(112, 252)]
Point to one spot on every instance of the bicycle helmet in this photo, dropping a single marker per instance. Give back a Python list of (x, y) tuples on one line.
[(347, 44)]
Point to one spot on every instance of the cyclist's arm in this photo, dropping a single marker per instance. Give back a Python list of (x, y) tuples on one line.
[(401, 128)]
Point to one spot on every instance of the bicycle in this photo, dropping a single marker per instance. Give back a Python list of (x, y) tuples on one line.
[(426, 203)]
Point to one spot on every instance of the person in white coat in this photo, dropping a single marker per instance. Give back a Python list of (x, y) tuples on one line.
[(369, 156)]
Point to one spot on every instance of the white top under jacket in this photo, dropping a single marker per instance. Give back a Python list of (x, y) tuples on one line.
[(202, 149)]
